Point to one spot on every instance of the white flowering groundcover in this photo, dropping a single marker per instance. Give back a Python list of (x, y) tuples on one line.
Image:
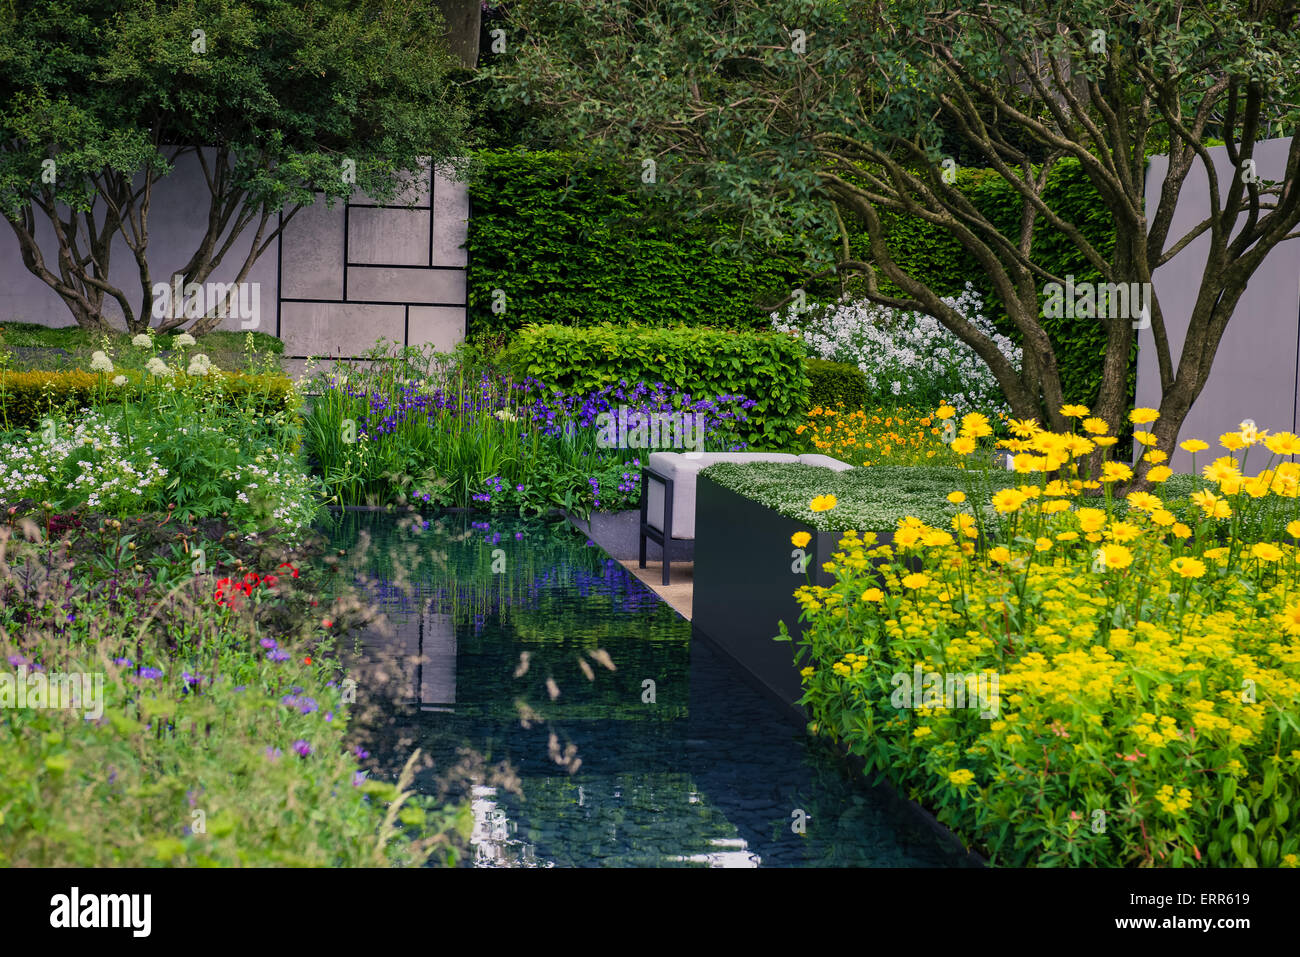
[(909, 358)]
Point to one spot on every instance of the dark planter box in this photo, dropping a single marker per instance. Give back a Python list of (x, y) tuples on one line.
[(745, 585)]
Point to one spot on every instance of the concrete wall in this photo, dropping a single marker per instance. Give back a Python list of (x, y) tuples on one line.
[(1255, 370), (335, 282)]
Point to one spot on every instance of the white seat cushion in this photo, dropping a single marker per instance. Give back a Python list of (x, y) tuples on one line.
[(682, 468)]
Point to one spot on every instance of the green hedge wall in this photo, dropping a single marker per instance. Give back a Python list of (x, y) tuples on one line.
[(576, 244), (763, 366)]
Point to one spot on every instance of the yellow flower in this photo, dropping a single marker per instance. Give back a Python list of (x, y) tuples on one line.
[(1001, 554), (823, 503), (1222, 469), (1105, 441), (956, 497), (975, 425), (1123, 532), (1091, 519), (1116, 556), (1143, 416), (1193, 446), (1293, 529), (921, 732), (1154, 457), (800, 539), (1025, 428), (873, 594), (1188, 567), (1008, 500), (936, 539), (945, 411), (1232, 441), (1115, 472), (961, 777), (1163, 517), (1160, 473), (1095, 426), (1042, 544), (963, 445), (1067, 536), (1283, 443), (1266, 552), (1144, 501), (916, 580), (1182, 531), (1074, 411), (1146, 438)]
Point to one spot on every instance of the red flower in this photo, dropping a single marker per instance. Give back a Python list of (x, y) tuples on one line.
[(326, 623), (307, 660), (270, 581), (292, 571)]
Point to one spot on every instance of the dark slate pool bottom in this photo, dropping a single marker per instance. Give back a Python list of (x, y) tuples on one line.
[(709, 773)]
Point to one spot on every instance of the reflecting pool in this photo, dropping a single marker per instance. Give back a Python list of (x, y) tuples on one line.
[(516, 643)]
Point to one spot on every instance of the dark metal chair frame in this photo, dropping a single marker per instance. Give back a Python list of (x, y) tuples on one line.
[(662, 536)]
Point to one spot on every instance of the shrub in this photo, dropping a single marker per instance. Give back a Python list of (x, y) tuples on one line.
[(906, 358), (28, 397), (766, 367), (1146, 660), (836, 383)]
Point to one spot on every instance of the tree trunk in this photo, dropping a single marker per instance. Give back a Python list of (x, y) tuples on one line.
[(461, 18)]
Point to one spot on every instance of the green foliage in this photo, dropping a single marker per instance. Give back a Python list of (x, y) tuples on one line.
[(573, 242), (203, 747), (834, 382), (288, 101), (934, 257), (765, 367)]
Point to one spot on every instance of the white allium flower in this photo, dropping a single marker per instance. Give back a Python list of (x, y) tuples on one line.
[(119, 380), (141, 341), (200, 365), (184, 339), (156, 366), (100, 362)]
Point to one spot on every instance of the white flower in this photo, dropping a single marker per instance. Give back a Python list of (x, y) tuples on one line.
[(119, 380), (100, 362), (505, 415), (156, 366), (141, 341), (184, 339), (200, 365)]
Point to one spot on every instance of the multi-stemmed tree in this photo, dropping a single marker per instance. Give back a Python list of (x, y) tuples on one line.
[(794, 114), (275, 101)]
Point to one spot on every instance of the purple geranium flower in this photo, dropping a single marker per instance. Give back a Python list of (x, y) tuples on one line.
[(278, 655)]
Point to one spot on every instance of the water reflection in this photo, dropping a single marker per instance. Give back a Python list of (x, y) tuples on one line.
[(632, 744)]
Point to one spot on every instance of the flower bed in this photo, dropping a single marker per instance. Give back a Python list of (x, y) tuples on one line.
[(1105, 682), (217, 733)]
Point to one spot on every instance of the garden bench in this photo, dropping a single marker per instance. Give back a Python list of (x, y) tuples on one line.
[(668, 491)]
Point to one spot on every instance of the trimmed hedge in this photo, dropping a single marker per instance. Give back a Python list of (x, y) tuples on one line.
[(26, 397), (764, 366), (575, 243), (833, 382), (578, 244)]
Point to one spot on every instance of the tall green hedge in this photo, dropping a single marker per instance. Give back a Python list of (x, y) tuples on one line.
[(578, 244), (764, 366)]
